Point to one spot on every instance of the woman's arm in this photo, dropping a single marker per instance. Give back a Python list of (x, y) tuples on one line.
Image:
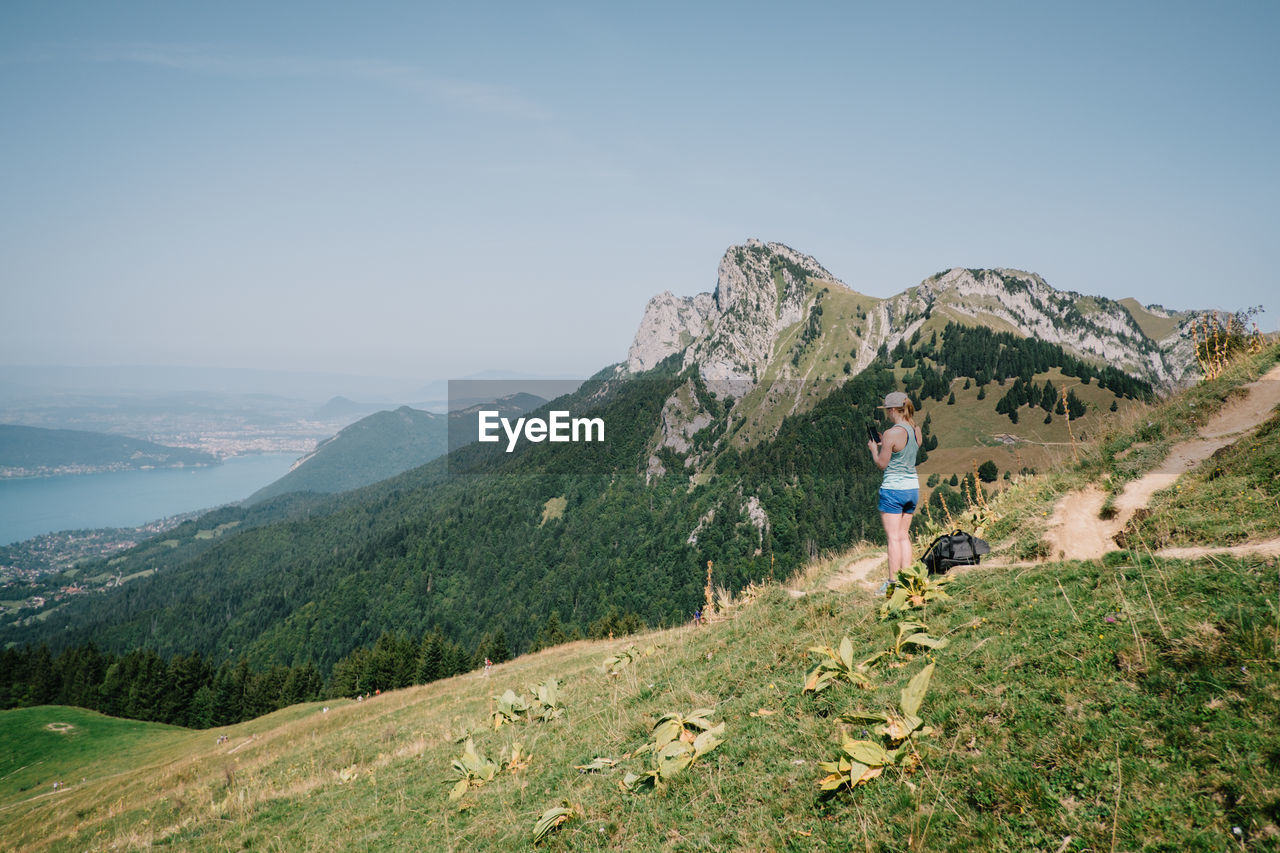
[(891, 444)]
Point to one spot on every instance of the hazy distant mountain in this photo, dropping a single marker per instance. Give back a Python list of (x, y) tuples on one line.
[(35, 452), (44, 381), (340, 407), (385, 444), (371, 449)]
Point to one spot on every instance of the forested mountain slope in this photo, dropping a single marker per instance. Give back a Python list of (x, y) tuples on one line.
[(384, 444), (374, 448), (463, 545)]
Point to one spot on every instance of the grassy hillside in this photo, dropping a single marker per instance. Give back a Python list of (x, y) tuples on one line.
[(1129, 703), (1232, 497), (971, 431), (1152, 325), (51, 744)]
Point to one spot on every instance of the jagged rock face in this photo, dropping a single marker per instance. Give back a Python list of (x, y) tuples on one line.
[(669, 325), (1091, 327), (761, 289), (683, 415)]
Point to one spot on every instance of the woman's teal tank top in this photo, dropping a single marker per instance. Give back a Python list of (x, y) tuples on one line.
[(900, 473)]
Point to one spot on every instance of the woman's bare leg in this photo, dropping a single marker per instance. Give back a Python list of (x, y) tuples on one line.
[(904, 540), (896, 527)]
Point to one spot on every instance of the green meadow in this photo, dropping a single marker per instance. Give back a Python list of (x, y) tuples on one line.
[(1127, 705)]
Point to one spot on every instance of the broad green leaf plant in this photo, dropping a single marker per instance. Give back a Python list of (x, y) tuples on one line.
[(835, 664), (511, 709), (912, 588), (472, 770), (861, 761), (545, 702), (678, 741), (553, 818), (542, 705), (615, 664), (906, 634)]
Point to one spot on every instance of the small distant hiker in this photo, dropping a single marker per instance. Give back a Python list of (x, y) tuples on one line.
[(697, 618), (895, 454), (488, 665)]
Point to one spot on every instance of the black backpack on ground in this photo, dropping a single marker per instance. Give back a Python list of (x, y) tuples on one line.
[(956, 548)]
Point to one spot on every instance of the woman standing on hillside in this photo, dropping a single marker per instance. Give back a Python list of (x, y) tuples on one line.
[(895, 454)]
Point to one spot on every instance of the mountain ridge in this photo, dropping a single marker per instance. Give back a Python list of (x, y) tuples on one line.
[(764, 289), (376, 447)]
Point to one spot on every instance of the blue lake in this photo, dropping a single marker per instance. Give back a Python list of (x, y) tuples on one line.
[(36, 505)]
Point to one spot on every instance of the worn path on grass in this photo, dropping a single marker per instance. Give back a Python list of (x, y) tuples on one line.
[(1077, 533), (861, 570)]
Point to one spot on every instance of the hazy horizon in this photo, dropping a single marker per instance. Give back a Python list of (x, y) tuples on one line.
[(410, 190), (46, 382)]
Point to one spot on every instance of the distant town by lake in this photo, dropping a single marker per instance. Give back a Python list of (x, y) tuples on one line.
[(37, 505)]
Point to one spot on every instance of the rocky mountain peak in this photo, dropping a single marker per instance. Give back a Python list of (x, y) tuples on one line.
[(761, 289), (764, 289)]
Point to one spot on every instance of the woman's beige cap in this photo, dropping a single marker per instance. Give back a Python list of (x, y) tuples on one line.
[(893, 400)]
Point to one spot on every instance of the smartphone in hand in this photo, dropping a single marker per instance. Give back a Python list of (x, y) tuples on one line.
[(873, 433)]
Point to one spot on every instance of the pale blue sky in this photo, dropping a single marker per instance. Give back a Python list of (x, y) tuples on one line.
[(429, 189)]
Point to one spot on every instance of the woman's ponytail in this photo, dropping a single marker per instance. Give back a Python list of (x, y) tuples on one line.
[(908, 411)]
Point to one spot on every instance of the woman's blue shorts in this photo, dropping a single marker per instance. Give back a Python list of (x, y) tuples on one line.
[(899, 501)]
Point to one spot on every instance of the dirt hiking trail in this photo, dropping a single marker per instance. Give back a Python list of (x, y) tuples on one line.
[(1077, 533), (859, 570)]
